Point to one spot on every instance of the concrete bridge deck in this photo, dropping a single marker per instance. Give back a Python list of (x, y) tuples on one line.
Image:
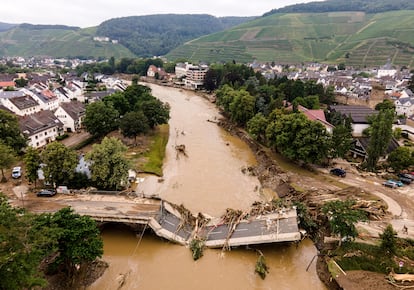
[(166, 222)]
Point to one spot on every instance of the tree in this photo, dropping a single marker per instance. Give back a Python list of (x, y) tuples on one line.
[(21, 82), (341, 140), (23, 246), (60, 163), (385, 105), (79, 242), (298, 138), (100, 118), (119, 102), (7, 159), (389, 240), (133, 124), (256, 127), (10, 132), (32, 161), (400, 158), (109, 167), (381, 134), (242, 107), (156, 112), (342, 217)]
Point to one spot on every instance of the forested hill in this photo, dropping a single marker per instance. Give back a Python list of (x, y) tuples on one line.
[(154, 35), (368, 6), (6, 26)]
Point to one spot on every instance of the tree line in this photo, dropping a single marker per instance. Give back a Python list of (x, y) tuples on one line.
[(270, 110), (136, 66)]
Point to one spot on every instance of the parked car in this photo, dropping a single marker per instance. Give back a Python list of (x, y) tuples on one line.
[(338, 172), (46, 193), (17, 172), (405, 180), (390, 183), (397, 182), (406, 175)]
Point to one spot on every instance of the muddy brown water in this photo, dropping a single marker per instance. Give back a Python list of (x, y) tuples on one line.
[(209, 180)]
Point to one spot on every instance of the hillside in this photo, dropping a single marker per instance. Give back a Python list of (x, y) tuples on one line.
[(368, 6), (356, 38), (154, 35), (56, 41), (5, 26)]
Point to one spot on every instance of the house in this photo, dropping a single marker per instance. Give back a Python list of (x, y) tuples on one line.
[(71, 115), (40, 128), (62, 94), (386, 70), (358, 114), (45, 98), (315, 115), (156, 72), (360, 145), (19, 102), (404, 105), (7, 84)]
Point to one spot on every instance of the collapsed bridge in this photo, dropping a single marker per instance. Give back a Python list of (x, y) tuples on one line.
[(175, 223)]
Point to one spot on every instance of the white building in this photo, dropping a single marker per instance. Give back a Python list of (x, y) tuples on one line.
[(19, 102), (386, 71), (40, 128), (71, 115), (404, 105)]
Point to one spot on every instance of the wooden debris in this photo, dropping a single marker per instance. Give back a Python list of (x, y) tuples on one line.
[(180, 149)]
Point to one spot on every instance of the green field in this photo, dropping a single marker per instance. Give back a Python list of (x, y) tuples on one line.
[(354, 38), (57, 43)]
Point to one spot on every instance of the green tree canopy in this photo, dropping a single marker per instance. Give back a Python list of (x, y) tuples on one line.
[(389, 240), (256, 127), (341, 140), (7, 159), (155, 111), (242, 107), (342, 217), (119, 102), (10, 132), (385, 105), (79, 242), (298, 138), (133, 124), (381, 134), (60, 163), (32, 161), (23, 246), (109, 167), (100, 118), (401, 158)]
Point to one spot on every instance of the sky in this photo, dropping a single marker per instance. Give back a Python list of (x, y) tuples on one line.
[(88, 13)]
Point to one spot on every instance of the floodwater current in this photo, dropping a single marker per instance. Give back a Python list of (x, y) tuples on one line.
[(208, 179)]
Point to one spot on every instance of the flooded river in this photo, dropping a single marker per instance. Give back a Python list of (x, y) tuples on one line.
[(209, 180)]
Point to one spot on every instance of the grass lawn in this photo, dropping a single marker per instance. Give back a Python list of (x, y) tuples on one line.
[(149, 155)]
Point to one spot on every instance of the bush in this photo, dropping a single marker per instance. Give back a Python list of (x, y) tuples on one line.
[(61, 137)]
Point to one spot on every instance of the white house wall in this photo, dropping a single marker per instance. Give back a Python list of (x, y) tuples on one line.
[(357, 129), (43, 138)]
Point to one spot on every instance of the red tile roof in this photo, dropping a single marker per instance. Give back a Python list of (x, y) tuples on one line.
[(7, 84)]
